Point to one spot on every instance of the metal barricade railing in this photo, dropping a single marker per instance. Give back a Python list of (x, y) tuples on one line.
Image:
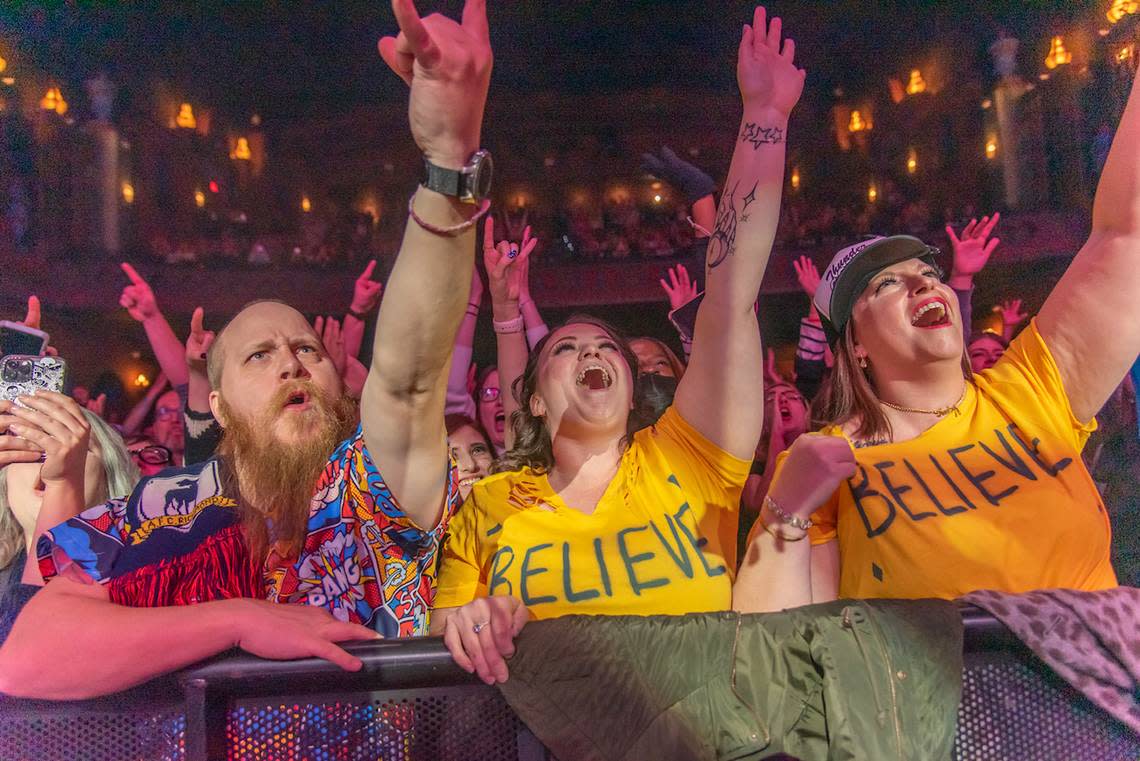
[(410, 702)]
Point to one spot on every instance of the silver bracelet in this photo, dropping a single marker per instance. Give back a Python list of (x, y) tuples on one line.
[(792, 520)]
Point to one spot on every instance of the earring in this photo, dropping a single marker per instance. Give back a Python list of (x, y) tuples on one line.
[(863, 362)]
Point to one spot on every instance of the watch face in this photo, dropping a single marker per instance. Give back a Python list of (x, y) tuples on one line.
[(481, 181)]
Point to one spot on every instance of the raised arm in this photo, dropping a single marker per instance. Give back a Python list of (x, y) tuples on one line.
[(448, 68), (139, 301), (366, 294), (506, 268), (971, 254), (727, 362), (459, 400), (1091, 321)]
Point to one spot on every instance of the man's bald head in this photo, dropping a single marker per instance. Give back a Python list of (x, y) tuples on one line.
[(259, 310)]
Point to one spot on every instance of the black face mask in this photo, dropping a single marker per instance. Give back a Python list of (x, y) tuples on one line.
[(653, 394)]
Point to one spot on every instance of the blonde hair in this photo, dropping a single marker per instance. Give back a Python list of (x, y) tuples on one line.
[(119, 476)]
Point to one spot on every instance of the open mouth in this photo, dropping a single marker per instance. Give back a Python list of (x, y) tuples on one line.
[(595, 377), (467, 483), (500, 421), (931, 314), (298, 401)]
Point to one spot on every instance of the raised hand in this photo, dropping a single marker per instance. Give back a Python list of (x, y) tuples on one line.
[(329, 331), (767, 75), (680, 288), (504, 263), (198, 342), (972, 250), (771, 374), (807, 274), (32, 318), (138, 298), (48, 423), (366, 292), (448, 67), (691, 180), (1011, 314), (98, 405)]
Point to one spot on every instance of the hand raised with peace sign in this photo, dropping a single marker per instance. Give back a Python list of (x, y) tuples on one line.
[(448, 67)]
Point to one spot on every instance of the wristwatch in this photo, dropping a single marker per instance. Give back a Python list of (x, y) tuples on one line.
[(471, 184)]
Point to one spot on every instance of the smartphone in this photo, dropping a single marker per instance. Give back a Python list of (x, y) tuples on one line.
[(16, 338), (24, 375), (684, 317)]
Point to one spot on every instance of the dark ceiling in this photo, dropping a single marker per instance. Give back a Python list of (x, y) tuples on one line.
[(289, 59)]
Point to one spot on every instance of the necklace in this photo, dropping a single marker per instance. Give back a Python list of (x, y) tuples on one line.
[(938, 411)]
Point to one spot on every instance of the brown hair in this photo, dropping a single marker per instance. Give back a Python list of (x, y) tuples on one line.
[(849, 393), (532, 445), (675, 362), (455, 421)]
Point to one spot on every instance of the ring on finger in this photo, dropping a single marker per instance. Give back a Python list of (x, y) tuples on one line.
[(480, 626)]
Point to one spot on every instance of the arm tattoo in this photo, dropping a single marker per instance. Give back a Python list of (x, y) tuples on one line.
[(723, 242), (759, 135)]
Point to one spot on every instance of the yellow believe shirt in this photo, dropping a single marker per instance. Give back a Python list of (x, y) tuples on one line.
[(661, 540), (994, 497)]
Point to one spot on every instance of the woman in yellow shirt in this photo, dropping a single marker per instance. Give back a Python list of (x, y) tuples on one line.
[(592, 519), (931, 481)]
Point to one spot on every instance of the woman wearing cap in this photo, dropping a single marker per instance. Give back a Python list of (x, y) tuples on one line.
[(933, 481), (591, 515)]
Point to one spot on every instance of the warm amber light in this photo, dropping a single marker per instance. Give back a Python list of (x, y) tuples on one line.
[(53, 101), (199, 198), (241, 150), (1058, 56), (128, 191), (657, 198), (306, 205), (141, 381), (3, 63), (185, 118), (916, 84), (991, 148), (795, 178), (911, 161), (8, 81), (1124, 54), (872, 193), (1121, 8), (857, 123)]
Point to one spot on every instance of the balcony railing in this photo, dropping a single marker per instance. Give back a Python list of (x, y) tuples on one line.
[(410, 702)]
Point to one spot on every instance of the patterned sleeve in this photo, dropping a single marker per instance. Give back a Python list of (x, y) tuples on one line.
[(93, 540), (364, 559)]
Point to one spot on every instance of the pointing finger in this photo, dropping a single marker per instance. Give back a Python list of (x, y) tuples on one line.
[(475, 19), (32, 318), (132, 274)]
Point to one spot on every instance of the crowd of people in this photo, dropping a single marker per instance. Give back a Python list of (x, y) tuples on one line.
[(287, 497)]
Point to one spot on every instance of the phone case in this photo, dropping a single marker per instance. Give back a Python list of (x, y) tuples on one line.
[(23, 375)]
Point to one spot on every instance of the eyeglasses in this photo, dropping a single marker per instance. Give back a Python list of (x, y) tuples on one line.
[(156, 454), (167, 412), (489, 394)]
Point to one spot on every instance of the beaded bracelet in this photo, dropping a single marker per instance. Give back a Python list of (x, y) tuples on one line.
[(454, 230)]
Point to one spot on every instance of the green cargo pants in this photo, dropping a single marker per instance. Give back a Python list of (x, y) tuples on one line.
[(869, 680)]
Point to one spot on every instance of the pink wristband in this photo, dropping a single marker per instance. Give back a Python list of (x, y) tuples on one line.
[(508, 326)]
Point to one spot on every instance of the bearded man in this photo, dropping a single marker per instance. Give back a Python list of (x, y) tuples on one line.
[(301, 504)]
